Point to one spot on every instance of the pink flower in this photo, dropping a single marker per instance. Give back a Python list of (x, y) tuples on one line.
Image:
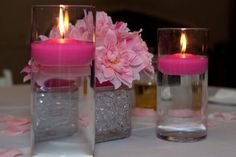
[(103, 24), (120, 54), (112, 62)]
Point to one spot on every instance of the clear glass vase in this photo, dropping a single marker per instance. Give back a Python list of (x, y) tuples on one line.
[(62, 82), (113, 113), (182, 83)]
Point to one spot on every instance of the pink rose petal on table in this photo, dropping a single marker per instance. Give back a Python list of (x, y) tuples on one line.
[(139, 112), (10, 152), (18, 121), (224, 116), (6, 118), (182, 113), (15, 121), (15, 125), (211, 123), (14, 131)]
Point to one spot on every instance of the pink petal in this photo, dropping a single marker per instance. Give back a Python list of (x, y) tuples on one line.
[(43, 37), (83, 119), (118, 67), (136, 76), (89, 22), (18, 121), (116, 82), (112, 55), (14, 131), (6, 118), (108, 73), (54, 33), (211, 123), (110, 40), (10, 152), (103, 23), (10, 120), (100, 77), (182, 113), (26, 69), (72, 32), (126, 79), (229, 116), (139, 112), (121, 26), (131, 54), (224, 116), (137, 61), (150, 69), (27, 78), (80, 24)]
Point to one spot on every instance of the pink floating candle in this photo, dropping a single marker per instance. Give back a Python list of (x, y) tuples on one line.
[(182, 64), (63, 52)]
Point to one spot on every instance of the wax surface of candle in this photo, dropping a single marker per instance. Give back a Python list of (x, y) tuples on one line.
[(63, 52), (182, 64)]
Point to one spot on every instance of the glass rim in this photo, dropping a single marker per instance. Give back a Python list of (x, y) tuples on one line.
[(58, 5), (183, 29)]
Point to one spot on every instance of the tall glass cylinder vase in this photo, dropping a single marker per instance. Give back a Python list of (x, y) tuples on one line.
[(182, 84), (63, 104)]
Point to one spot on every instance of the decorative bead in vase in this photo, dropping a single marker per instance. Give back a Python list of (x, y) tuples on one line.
[(113, 113)]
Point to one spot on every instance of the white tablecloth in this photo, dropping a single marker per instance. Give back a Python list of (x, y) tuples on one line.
[(220, 142)]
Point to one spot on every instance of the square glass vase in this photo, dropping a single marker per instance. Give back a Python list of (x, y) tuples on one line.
[(113, 113)]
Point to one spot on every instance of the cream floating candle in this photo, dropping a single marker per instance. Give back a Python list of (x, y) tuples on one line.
[(63, 52)]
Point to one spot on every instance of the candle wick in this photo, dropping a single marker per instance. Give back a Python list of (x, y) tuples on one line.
[(183, 54)]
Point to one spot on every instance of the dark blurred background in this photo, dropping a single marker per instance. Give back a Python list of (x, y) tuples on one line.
[(149, 15)]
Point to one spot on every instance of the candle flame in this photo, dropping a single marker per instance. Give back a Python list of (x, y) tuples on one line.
[(66, 21), (63, 23), (183, 43)]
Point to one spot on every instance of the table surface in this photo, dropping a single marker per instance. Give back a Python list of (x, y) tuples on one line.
[(220, 142)]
